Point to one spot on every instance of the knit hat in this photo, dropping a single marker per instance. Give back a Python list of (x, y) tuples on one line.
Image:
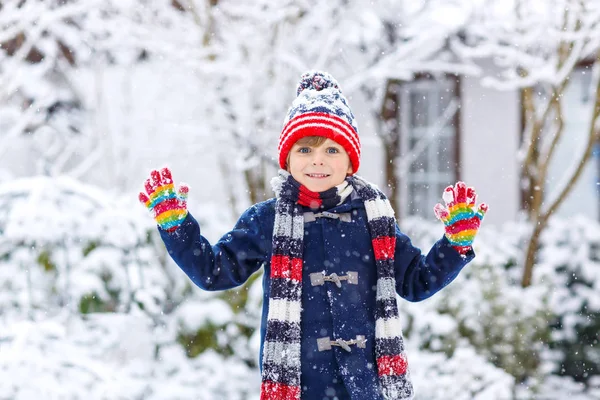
[(320, 109)]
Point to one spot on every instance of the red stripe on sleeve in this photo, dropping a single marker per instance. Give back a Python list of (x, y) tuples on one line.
[(384, 247), (392, 365), (463, 249)]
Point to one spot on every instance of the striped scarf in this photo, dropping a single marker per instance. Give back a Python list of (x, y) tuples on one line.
[(281, 350)]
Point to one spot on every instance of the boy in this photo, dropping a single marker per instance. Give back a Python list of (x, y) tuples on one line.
[(333, 255)]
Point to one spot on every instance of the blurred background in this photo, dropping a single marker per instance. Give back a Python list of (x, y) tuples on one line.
[(503, 94)]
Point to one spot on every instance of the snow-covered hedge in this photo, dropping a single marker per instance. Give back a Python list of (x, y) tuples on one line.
[(112, 356), (66, 244), (91, 305), (539, 334)]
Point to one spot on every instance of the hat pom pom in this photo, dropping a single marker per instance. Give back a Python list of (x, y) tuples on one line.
[(316, 80)]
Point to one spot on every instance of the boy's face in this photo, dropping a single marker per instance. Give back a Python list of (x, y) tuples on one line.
[(319, 168)]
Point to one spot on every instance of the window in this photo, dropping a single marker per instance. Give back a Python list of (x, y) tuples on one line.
[(428, 118)]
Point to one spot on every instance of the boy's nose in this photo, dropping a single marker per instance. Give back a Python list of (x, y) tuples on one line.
[(317, 158)]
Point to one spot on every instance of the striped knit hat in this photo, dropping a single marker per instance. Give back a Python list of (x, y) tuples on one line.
[(320, 109)]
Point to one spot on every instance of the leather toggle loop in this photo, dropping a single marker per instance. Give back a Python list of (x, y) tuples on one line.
[(312, 217)]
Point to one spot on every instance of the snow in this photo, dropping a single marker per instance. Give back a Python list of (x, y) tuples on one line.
[(195, 314), (108, 357), (91, 306), (477, 380), (131, 349)]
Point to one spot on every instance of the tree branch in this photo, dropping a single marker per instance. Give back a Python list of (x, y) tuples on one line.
[(558, 117)]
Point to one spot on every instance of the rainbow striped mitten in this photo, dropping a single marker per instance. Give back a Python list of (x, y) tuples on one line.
[(168, 208), (460, 215)]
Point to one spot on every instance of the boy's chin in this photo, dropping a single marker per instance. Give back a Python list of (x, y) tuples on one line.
[(319, 187), (315, 185)]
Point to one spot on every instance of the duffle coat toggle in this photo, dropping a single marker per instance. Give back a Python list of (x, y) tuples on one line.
[(319, 278), (325, 343), (312, 217)]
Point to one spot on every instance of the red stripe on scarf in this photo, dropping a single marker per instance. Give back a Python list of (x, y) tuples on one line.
[(278, 391), (309, 198), (392, 365), (384, 247), (286, 267)]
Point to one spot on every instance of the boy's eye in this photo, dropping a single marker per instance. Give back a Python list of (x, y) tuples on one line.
[(304, 150), (332, 150)]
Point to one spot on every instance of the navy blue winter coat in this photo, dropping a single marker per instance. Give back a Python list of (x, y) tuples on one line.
[(330, 245)]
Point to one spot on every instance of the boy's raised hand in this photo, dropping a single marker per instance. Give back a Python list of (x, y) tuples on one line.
[(461, 215), (168, 208)]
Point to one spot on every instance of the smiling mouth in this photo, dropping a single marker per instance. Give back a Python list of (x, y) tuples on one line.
[(317, 176)]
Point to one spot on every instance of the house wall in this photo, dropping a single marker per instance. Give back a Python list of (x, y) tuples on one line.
[(371, 159), (577, 114), (490, 123), (490, 129)]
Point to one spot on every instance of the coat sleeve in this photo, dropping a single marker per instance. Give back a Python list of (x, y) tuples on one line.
[(227, 264), (419, 276)]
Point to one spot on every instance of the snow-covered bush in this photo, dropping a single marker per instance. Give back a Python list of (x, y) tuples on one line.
[(485, 308), (71, 246), (489, 313), (67, 245), (465, 375), (112, 356), (88, 295), (225, 322), (548, 328), (570, 260)]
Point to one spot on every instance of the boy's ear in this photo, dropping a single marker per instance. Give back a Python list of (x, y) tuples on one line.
[(350, 171)]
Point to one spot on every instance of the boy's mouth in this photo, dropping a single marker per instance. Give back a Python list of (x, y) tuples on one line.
[(317, 176)]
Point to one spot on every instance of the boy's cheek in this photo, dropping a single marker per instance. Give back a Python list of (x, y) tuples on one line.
[(296, 177)]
